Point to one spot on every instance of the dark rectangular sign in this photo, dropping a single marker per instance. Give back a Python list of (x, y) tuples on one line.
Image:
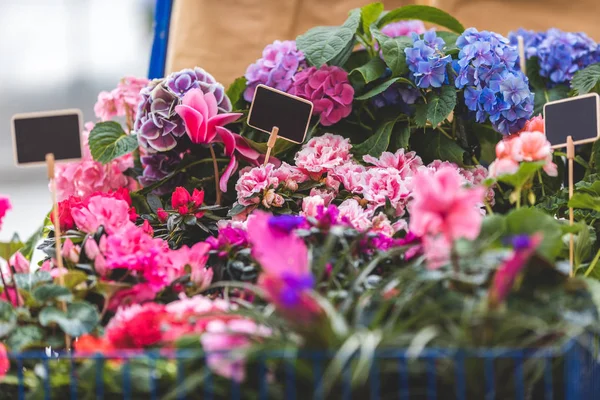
[(37, 134), (576, 117), (271, 107)]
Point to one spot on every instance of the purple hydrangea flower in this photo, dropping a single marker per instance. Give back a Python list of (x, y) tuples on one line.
[(156, 167), (494, 87), (397, 94), (403, 28), (426, 60), (276, 68), (158, 126)]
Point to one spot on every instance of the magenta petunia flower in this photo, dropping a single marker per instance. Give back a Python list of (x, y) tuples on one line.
[(328, 89)]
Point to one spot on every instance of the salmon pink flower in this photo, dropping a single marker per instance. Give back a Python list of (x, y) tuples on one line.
[(534, 146), (535, 124), (503, 166)]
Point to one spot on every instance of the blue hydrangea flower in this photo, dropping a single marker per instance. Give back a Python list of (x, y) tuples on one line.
[(560, 54), (494, 87), (397, 95), (426, 60)]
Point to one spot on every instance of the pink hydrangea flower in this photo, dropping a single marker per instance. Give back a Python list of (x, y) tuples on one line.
[(328, 89), (224, 340), (442, 206), (403, 28), (254, 182), (355, 215), (121, 101), (4, 208), (351, 175), (323, 153), (407, 164), (311, 204), (99, 210), (383, 184)]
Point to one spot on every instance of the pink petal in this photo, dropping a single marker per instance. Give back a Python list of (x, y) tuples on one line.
[(245, 150), (228, 139), (223, 119), (211, 103), (227, 174), (195, 99), (195, 123)]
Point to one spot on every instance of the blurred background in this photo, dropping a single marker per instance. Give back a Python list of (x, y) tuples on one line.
[(60, 54)]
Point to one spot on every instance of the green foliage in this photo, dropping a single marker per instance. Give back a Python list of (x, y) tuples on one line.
[(8, 319), (328, 44), (525, 173), (109, 141), (545, 95), (440, 105), (434, 145), (424, 13), (24, 337), (370, 71), (529, 221), (368, 15), (80, 318), (376, 143), (392, 50), (235, 92), (29, 281), (586, 80), (377, 89), (51, 293)]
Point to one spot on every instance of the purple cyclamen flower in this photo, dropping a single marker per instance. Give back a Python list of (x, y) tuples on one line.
[(278, 65)]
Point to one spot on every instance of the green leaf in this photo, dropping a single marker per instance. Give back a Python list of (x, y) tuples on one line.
[(439, 106), (531, 220), (29, 281), (29, 247), (154, 202), (368, 15), (536, 81), (424, 13), (108, 141), (52, 292), (586, 80), (74, 278), (543, 96), (139, 202), (392, 50), (585, 200), (421, 115), (25, 336), (281, 146), (7, 249), (526, 171), (433, 145), (492, 227), (450, 39), (80, 318), (401, 135), (376, 90), (235, 92), (8, 318), (377, 143), (323, 44), (583, 245), (370, 71)]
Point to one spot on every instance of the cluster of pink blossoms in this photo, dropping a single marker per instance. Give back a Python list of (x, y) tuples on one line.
[(121, 101), (366, 189), (526, 146)]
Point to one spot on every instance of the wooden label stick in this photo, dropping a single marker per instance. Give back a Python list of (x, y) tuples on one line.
[(57, 235), (570, 158), (271, 143), (522, 60)]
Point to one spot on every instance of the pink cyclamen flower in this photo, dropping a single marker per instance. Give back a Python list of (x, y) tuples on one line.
[(204, 125), (254, 182), (4, 208), (323, 153), (223, 341), (70, 251), (507, 273), (406, 163), (355, 215), (19, 263), (109, 212), (4, 361), (328, 89), (442, 206)]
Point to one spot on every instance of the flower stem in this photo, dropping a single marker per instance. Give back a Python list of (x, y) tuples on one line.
[(592, 264), (216, 167), (541, 183)]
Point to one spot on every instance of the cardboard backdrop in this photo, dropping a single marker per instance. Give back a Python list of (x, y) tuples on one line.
[(225, 36)]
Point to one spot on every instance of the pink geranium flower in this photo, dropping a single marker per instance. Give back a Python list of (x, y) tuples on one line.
[(534, 146), (442, 206), (503, 166), (111, 213), (19, 263), (4, 361), (535, 124), (322, 154)]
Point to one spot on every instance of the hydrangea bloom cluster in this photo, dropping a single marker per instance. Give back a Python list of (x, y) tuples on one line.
[(121, 101), (397, 94), (159, 165), (426, 60), (493, 85), (328, 88), (560, 54), (158, 125), (82, 178), (404, 28), (279, 63)]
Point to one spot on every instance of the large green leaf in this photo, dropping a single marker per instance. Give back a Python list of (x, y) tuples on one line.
[(392, 50), (80, 318), (440, 105), (74, 277), (108, 141), (8, 318), (52, 292), (401, 135), (370, 71), (585, 200), (29, 281), (235, 92), (323, 44), (368, 15), (25, 336), (434, 145), (281, 146), (7, 249), (377, 89), (377, 143), (531, 220), (526, 171), (424, 13), (586, 80)]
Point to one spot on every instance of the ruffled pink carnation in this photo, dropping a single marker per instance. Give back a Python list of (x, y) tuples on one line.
[(383, 184), (351, 175), (290, 176), (328, 89), (407, 164), (311, 204), (252, 183), (355, 215), (323, 153)]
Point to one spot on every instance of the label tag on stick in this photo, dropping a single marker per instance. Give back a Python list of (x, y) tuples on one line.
[(578, 117)]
